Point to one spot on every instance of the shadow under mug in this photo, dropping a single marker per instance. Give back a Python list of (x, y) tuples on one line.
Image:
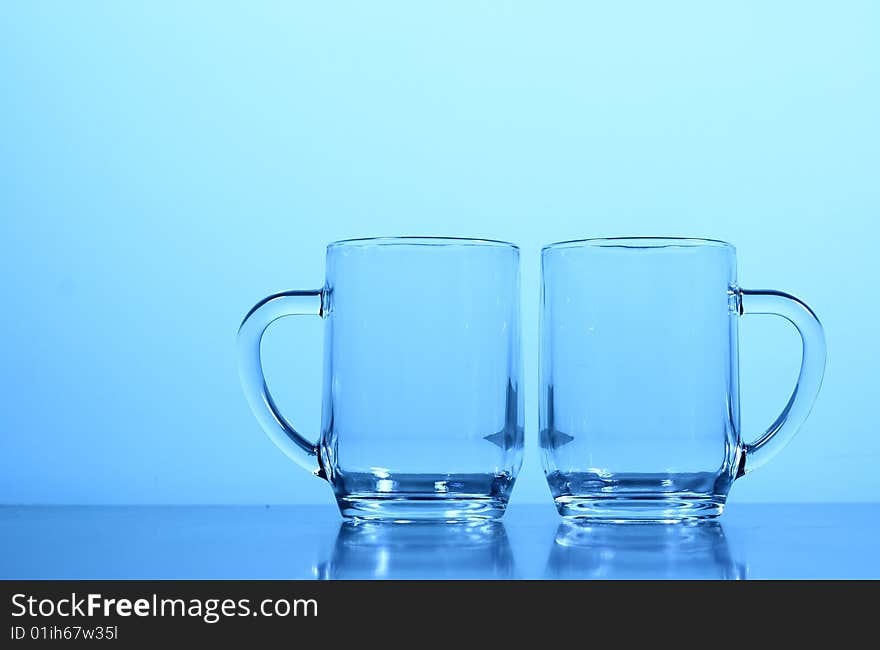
[(640, 413), (422, 412)]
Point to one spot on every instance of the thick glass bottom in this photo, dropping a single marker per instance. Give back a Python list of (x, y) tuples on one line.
[(640, 497), (661, 509), (423, 497), (412, 510)]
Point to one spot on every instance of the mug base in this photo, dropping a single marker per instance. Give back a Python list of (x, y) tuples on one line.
[(403, 510), (403, 497), (667, 508)]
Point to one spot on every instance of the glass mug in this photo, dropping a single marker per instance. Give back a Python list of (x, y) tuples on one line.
[(422, 412), (640, 380)]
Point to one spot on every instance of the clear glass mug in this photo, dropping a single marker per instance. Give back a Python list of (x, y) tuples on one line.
[(422, 412), (640, 414)]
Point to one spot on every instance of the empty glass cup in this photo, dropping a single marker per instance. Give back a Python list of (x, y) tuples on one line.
[(422, 412), (640, 380)]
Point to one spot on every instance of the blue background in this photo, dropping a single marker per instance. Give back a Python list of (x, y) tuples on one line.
[(165, 165)]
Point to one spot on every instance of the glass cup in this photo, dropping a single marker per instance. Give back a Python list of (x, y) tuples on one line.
[(640, 379), (422, 412)]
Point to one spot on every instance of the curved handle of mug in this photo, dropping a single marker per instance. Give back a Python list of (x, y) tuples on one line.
[(250, 367), (809, 380)]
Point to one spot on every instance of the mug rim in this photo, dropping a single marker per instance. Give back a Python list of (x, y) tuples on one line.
[(641, 243), (421, 240)]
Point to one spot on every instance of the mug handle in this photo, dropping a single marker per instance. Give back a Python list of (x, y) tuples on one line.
[(783, 429), (250, 368)]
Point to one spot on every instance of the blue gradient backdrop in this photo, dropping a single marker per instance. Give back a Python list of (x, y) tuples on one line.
[(165, 165)]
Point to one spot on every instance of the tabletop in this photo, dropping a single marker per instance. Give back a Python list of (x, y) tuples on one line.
[(750, 541)]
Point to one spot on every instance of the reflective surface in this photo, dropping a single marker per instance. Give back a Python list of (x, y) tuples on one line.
[(650, 551), (420, 550), (750, 541)]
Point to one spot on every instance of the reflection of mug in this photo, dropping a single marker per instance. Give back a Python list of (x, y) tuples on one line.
[(647, 551), (640, 377), (422, 413), (376, 550)]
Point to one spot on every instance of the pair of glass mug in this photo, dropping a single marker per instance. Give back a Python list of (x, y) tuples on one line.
[(422, 401)]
